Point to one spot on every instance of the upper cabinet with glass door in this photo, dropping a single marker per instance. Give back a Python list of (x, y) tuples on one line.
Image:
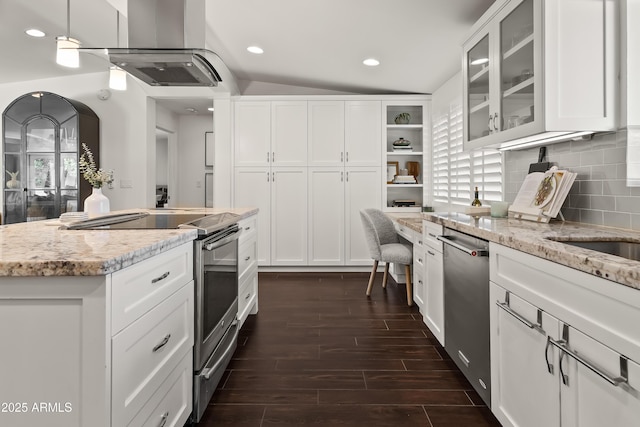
[(539, 70)]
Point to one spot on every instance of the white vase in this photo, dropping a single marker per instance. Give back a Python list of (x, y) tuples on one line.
[(96, 204)]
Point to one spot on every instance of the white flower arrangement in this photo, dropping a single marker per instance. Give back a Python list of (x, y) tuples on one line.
[(94, 176)]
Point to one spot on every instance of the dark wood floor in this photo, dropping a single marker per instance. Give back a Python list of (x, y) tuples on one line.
[(321, 353)]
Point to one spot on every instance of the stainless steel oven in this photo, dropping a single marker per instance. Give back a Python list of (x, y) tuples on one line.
[(216, 326)]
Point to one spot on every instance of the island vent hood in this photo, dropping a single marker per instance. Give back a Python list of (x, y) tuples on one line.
[(166, 44)]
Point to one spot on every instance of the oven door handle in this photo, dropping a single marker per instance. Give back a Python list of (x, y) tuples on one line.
[(223, 241), (206, 373)]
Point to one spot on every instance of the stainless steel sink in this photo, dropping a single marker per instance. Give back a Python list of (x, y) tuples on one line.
[(621, 248)]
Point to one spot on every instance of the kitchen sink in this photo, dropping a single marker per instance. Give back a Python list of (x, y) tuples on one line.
[(621, 248)]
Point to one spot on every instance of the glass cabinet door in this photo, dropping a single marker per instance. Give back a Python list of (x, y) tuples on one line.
[(517, 67), (478, 93)]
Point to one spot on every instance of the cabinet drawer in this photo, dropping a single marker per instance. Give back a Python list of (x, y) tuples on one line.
[(405, 232), (170, 405), (140, 287), (418, 257), (144, 353), (249, 228), (247, 257), (429, 233), (247, 293)]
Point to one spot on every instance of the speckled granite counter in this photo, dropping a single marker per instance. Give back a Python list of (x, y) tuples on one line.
[(40, 248), (534, 238)]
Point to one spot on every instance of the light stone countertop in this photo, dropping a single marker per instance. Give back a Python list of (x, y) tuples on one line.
[(533, 238), (40, 248)]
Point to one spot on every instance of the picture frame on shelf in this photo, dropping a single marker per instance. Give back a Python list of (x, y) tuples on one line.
[(209, 153), (393, 169)]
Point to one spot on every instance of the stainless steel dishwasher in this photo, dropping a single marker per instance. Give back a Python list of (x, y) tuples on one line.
[(466, 307)]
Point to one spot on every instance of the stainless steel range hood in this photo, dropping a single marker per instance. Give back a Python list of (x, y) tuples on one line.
[(166, 44)]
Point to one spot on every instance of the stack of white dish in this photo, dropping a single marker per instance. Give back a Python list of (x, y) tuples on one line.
[(73, 216)]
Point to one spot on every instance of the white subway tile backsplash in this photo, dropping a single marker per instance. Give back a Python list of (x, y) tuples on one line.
[(600, 194)]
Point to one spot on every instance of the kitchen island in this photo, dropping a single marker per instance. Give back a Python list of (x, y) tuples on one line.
[(97, 325)]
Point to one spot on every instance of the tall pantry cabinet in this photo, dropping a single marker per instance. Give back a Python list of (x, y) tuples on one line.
[(310, 166)]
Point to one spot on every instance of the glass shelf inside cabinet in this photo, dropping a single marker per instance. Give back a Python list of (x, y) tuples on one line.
[(517, 66)]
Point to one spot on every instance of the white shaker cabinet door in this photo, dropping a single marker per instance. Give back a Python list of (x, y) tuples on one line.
[(523, 391), (253, 188), (326, 216), (434, 293), (363, 140), (362, 191), (252, 129), (289, 133), (289, 216), (326, 133), (588, 399)]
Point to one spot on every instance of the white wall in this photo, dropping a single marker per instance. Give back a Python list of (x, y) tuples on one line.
[(191, 169), (123, 130)]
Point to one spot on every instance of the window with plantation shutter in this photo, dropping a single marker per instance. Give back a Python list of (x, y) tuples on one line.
[(456, 172)]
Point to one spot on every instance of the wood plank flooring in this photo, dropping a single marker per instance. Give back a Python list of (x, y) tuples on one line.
[(319, 352)]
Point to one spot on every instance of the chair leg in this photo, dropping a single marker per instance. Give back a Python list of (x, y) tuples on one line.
[(407, 270), (386, 275), (372, 277)]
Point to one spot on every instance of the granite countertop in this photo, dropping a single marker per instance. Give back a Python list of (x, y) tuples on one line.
[(40, 248), (534, 238)]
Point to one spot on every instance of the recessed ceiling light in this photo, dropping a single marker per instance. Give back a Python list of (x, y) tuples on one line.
[(371, 62), (34, 32), (210, 108), (479, 61), (255, 49)]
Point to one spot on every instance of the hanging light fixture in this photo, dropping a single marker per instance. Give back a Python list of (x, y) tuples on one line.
[(67, 53), (117, 76)]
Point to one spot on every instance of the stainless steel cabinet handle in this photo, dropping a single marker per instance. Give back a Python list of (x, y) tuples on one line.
[(247, 228), (164, 276), (341, 157), (341, 176), (490, 123), (247, 258), (506, 307), (267, 157), (273, 157), (546, 355), (247, 297), (162, 343), (431, 253), (164, 419), (495, 121), (470, 251), (562, 345), (347, 157), (347, 176)]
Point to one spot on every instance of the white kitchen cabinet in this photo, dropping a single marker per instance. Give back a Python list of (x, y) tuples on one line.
[(362, 133), (289, 216), (270, 133), (336, 196), (540, 69), (419, 266), (280, 194), (247, 268), (326, 133), (252, 187), (523, 392), (433, 313), (73, 347), (586, 371), (400, 196)]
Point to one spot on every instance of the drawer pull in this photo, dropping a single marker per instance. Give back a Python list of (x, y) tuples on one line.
[(535, 326), (431, 253), (164, 419), (247, 228), (247, 258), (164, 276), (247, 297), (432, 235), (162, 343)]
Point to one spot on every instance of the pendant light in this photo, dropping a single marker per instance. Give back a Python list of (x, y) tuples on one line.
[(117, 76), (67, 53)]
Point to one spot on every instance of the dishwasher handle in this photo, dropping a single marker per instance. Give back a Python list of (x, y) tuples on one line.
[(470, 251)]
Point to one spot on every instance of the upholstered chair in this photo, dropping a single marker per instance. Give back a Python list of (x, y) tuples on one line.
[(384, 246)]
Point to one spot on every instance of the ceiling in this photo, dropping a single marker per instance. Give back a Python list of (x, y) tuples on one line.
[(316, 44)]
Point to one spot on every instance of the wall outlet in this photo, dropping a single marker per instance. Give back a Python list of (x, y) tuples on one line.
[(126, 183)]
